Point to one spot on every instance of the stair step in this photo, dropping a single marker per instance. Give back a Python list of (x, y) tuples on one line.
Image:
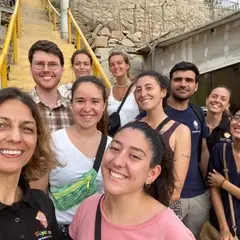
[(35, 26)]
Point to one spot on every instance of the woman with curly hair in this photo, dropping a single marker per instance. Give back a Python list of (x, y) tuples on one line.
[(25, 155)]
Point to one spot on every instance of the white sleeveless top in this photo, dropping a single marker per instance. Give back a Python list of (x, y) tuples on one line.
[(74, 165), (129, 109)]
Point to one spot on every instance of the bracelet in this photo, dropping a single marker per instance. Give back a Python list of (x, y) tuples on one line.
[(223, 183)]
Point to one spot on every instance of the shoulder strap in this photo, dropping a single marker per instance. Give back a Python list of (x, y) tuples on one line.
[(199, 113), (98, 221), (229, 195), (161, 124), (100, 152), (125, 97)]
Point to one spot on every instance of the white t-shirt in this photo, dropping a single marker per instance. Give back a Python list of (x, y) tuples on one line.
[(73, 165), (129, 110)]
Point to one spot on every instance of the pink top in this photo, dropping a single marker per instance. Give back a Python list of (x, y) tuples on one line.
[(164, 226)]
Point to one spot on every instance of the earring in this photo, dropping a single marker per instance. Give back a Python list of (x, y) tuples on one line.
[(147, 185)]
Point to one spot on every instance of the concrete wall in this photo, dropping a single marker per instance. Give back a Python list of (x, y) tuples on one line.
[(210, 50)]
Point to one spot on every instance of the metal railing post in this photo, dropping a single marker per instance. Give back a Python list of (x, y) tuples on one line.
[(69, 28), (49, 13), (95, 70), (4, 74), (78, 41), (14, 39), (13, 32), (19, 24), (54, 21)]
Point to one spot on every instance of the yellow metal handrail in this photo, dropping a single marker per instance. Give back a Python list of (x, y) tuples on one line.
[(80, 38), (51, 10), (97, 68), (13, 32)]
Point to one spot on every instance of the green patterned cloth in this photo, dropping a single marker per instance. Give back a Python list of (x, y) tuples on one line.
[(70, 195)]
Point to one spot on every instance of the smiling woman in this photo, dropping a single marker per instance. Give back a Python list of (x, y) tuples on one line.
[(217, 118), (81, 62), (25, 154), (221, 215), (138, 183), (150, 94), (77, 148), (119, 66)]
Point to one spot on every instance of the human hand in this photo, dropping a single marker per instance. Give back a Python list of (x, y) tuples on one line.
[(215, 179), (225, 235)]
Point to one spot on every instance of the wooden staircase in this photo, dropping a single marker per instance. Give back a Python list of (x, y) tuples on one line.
[(35, 26)]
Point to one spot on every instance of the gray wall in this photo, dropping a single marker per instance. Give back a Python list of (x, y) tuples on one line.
[(209, 50)]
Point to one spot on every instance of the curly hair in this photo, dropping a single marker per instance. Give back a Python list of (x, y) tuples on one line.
[(43, 158)]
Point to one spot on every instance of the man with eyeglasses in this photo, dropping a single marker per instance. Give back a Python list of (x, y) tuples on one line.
[(47, 66)]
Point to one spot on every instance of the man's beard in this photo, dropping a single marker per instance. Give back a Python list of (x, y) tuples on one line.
[(179, 98)]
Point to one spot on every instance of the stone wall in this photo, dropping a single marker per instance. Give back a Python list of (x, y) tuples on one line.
[(153, 18)]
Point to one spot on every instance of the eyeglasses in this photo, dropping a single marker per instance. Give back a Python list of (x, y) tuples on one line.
[(236, 118), (50, 65)]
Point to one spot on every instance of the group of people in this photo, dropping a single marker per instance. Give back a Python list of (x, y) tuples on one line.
[(160, 175)]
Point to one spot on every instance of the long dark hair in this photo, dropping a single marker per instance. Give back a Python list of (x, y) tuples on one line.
[(161, 80), (162, 188), (102, 124)]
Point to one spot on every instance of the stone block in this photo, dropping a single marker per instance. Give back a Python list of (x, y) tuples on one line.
[(133, 37), (102, 52), (90, 41), (128, 43), (105, 32), (117, 34), (97, 30), (101, 42), (125, 32)]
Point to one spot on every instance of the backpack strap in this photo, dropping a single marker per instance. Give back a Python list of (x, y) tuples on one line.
[(125, 97), (201, 117), (100, 152), (198, 111), (161, 124), (230, 199)]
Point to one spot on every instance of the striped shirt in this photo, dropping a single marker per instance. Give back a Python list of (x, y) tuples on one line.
[(57, 118)]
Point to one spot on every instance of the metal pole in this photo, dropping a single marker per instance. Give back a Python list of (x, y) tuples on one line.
[(69, 28), (54, 21), (144, 21), (64, 23), (78, 41), (4, 74), (14, 40)]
